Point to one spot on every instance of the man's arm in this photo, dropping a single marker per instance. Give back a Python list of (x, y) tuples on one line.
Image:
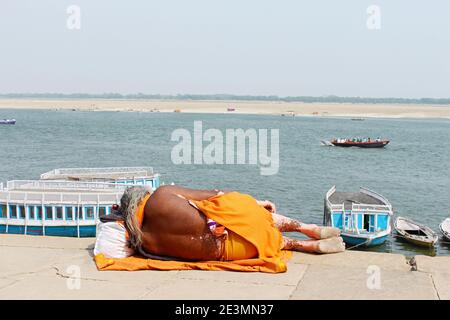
[(194, 194)]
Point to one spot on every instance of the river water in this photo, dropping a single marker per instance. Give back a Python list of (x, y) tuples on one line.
[(412, 171)]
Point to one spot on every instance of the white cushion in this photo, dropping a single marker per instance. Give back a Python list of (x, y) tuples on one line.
[(111, 240)]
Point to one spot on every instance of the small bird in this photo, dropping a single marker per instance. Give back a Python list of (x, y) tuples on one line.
[(413, 264)]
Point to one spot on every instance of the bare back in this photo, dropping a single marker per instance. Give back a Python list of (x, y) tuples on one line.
[(172, 227)]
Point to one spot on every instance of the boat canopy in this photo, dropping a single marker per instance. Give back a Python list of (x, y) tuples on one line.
[(98, 173), (366, 200)]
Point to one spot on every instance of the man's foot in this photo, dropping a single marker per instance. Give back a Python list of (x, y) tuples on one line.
[(315, 232), (331, 245)]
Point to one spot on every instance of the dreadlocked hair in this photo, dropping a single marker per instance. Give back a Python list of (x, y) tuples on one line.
[(129, 202)]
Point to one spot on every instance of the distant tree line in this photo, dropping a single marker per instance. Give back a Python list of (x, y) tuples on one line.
[(224, 97)]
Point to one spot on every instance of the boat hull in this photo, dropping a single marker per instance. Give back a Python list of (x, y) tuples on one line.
[(380, 144), (61, 231), (421, 243), (361, 241), (8, 122)]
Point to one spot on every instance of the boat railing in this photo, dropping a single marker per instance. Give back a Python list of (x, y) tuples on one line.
[(331, 206), (106, 178), (330, 192), (376, 196), (62, 184), (336, 207), (59, 198), (370, 208), (107, 171)]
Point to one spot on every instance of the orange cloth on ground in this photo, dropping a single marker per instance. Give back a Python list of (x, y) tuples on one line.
[(240, 214)]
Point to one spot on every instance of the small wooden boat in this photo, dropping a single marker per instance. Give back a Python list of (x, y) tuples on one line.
[(415, 233), (445, 229), (361, 143), (364, 217), (8, 121)]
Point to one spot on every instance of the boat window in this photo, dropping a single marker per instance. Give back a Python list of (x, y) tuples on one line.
[(3, 211), (48, 213), (102, 211), (69, 213), (21, 211), (31, 213), (89, 211), (39, 213), (80, 213), (12, 212), (59, 213)]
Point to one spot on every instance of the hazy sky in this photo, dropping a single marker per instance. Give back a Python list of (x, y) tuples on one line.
[(257, 47)]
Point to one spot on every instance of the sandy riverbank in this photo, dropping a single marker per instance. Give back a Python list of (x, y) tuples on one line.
[(36, 267), (244, 107)]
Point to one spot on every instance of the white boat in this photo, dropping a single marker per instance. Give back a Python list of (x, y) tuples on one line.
[(70, 203), (8, 121), (445, 229), (415, 233)]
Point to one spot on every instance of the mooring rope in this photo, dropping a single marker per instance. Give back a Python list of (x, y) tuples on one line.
[(357, 245)]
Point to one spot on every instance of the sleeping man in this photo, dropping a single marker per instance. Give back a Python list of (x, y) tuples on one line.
[(180, 224)]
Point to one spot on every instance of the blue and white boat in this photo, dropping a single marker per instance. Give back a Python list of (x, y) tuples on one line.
[(364, 217), (70, 207)]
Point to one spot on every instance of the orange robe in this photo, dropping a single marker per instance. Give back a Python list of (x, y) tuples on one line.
[(240, 214)]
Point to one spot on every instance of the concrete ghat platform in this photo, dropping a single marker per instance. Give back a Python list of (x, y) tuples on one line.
[(43, 268)]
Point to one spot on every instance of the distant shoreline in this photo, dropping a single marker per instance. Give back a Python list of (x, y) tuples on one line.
[(348, 110), (228, 97)]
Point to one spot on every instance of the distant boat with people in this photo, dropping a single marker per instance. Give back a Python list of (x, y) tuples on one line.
[(359, 142), (364, 217), (67, 202), (8, 121)]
